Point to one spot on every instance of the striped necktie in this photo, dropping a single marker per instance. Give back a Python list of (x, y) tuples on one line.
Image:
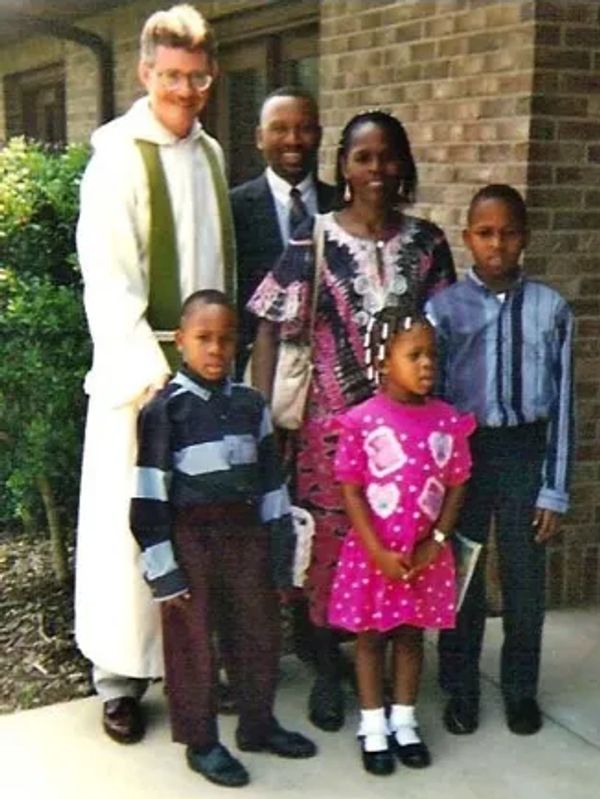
[(298, 211)]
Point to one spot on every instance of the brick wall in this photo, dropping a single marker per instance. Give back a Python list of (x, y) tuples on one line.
[(508, 92), (563, 192)]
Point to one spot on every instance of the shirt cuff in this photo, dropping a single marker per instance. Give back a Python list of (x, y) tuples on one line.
[(550, 499), (168, 585)]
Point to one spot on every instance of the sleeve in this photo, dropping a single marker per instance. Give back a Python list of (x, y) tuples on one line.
[(459, 467), (284, 294), (350, 463), (440, 271), (112, 255), (558, 462), (150, 511), (275, 506)]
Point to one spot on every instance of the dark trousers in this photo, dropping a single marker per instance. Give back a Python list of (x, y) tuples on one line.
[(226, 562), (507, 464)]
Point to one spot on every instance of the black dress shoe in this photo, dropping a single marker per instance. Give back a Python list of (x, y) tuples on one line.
[(523, 716), (326, 704), (279, 742), (218, 765), (412, 755), (461, 716), (123, 720), (378, 763)]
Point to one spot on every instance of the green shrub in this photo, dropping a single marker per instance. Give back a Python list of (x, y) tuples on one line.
[(44, 344)]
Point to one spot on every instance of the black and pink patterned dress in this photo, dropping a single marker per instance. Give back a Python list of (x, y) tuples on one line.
[(416, 260)]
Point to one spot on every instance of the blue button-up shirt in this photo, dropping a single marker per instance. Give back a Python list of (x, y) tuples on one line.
[(508, 359)]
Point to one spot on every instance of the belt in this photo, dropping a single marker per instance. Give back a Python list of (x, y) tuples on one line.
[(222, 513)]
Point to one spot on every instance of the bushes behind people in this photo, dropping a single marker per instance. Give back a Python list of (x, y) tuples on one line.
[(44, 343)]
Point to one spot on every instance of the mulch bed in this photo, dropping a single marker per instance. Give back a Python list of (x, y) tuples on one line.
[(39, 662)]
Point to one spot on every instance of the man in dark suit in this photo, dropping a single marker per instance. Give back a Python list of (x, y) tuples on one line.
[(265, 212), (266, 209)]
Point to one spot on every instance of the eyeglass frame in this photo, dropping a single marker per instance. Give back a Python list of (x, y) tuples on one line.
[(177, 77)]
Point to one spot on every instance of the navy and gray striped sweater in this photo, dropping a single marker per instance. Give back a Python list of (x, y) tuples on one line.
[(204, 443)]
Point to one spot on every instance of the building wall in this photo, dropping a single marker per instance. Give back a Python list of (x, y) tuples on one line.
[(563, 180)]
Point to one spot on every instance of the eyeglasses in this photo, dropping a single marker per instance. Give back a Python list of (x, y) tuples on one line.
[(172, 80)]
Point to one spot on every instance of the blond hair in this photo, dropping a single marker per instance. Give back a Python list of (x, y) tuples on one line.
[(179, 26)]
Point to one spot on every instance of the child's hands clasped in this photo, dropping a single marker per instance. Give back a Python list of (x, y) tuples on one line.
[(424, 554), (394, 565)]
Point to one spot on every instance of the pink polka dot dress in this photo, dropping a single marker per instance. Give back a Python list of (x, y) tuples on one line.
[(404, 456)]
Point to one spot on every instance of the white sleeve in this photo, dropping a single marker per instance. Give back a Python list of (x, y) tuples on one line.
[(112, 235)]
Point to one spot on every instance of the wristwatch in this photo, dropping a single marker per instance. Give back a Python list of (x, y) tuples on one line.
[(438, 536)]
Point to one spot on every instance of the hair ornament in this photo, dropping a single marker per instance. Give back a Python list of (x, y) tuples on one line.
[(407, 324)]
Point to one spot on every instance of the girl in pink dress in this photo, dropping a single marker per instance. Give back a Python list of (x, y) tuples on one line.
[(402, 459)]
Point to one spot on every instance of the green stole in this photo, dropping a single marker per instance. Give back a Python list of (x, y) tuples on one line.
[(164, 295)]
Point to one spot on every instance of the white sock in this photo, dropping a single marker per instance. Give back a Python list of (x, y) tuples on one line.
[(403, 724), (373, 728)]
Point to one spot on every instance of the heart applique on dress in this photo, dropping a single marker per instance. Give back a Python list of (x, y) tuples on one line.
[(383, 499), (431, 498), (440, 445)]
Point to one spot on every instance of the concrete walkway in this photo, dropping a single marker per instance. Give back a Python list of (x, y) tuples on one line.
[(59, 752)]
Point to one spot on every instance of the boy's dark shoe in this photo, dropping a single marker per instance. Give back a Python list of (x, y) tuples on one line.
[(279, 742), (326, 704), (523, 716), (218, 765), (123, 720), (378, 763), (412, 755), (461, 716)]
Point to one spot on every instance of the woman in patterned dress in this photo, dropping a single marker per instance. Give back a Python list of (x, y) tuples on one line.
[(374, 254)]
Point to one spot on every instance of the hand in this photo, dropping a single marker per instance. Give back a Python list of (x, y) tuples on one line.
[(424, 554), (179, 601), (394, 565), (151, 391), (546, 523)]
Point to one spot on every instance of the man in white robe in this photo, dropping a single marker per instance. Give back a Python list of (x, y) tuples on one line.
[(117, 623)]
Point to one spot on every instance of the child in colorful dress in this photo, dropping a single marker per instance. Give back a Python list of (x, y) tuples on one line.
[(402, 460)]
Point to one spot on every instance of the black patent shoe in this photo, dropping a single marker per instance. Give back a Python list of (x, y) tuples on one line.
[(461, 716), (523, 716), (412, 755), (218, 765), (326, 704), (380, 763)]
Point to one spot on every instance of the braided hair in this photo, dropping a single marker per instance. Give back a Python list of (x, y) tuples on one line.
[(383, 327)]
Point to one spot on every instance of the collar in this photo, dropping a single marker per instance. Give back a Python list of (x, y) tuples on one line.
[(205, 389), (472, 275), (281, 188)]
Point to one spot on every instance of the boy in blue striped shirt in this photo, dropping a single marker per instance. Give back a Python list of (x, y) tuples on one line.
[(211, 514), (505, 345)]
